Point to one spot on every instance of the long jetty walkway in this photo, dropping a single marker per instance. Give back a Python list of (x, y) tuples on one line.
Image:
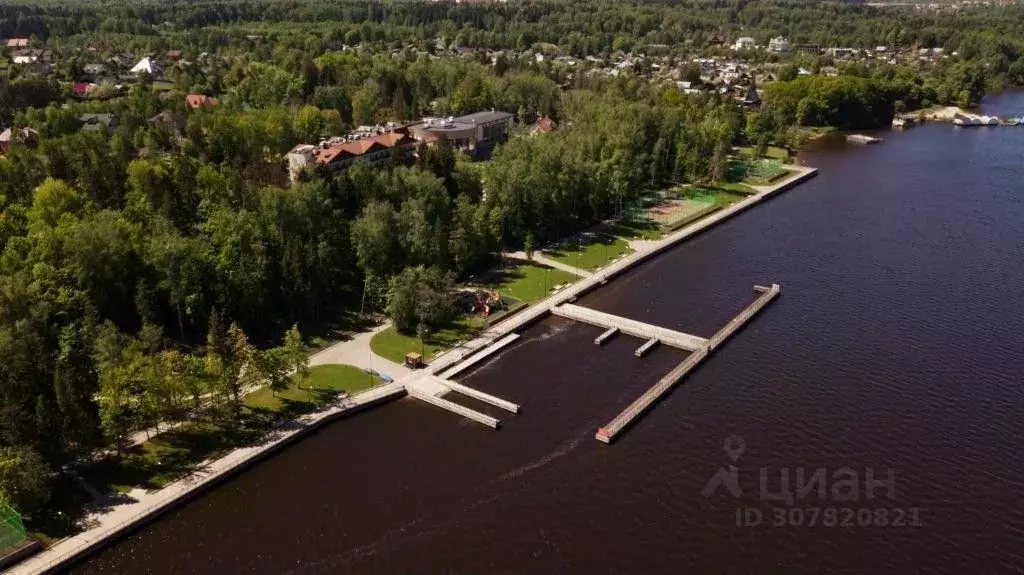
[(430, 388), (480, 356), (623, 420), (630, 326)]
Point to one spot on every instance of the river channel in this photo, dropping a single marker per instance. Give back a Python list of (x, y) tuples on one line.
[(897, 345)]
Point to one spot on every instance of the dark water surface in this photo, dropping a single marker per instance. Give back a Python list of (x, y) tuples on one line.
[(896, 344)]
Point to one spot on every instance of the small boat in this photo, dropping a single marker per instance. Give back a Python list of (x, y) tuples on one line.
[(899, 123), (862, 139)]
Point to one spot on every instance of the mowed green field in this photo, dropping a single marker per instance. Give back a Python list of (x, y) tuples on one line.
[(592, 253)]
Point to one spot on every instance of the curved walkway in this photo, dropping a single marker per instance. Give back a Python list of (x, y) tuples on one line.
[(357, 352)]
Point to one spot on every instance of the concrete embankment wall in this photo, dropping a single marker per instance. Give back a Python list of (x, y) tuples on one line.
[(180, 492)]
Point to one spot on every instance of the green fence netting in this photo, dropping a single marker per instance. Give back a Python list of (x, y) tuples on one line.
[(12, 529)]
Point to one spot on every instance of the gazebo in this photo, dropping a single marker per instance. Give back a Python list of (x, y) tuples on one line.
[(413, 360)]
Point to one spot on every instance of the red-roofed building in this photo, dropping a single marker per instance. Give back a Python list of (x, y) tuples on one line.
[(374, 150), (197, 101), (82, 88), (17, 43), (174, 55)]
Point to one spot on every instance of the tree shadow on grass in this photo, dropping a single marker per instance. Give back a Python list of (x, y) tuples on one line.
[(63, 513), (342, 327), (636, 228), (506, 274)]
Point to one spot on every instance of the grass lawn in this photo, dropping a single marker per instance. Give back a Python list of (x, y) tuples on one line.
[(393, 345), (174, 453), (528, 282), (734, 187), (594, 253), (322, 383), (638, 227), (722, 195), (772, 152), (519, 285)]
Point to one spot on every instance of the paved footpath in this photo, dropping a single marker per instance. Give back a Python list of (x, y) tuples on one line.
[(544, 260), (139, 505), (357, 352)]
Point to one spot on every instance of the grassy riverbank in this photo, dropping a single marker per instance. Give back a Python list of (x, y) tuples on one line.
[(594, 251), (519, 285), (172, 454)]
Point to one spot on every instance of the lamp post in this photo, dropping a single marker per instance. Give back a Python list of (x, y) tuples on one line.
[(422, 330)]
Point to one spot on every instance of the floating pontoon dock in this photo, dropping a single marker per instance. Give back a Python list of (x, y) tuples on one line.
[(621, 421)]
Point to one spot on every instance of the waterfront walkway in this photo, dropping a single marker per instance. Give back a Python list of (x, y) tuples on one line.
[(110, 522), (630, 326), (140, 505)]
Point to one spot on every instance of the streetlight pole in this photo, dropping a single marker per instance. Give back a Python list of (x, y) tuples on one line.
[(579, 251)]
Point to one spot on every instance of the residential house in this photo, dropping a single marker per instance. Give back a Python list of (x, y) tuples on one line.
[(841, 52), (122, 60), (11, 136), (32, 56), (94, 70), (82, 89), (172, 121), (779, 44), (97, 122), (716, 40), (687, 87), (198, 101), (174, 55), (17, 43), (146, 66), (807, 48), (745, 43)]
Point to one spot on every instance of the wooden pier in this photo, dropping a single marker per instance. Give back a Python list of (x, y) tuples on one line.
[(479, 356), (430, 388), (629, 326), (623, 420), (599, 340), (643, 349), (453, 407), (478, 395)]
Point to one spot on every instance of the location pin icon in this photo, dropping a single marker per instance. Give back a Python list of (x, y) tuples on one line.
[(734, 447)]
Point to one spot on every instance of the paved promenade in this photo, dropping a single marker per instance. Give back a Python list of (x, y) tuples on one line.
[(357, 352), (142, 505)]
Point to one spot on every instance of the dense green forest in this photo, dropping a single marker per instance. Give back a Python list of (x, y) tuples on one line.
[(149, 266)]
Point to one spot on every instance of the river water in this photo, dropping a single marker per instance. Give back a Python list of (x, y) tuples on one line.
[(896, 345)]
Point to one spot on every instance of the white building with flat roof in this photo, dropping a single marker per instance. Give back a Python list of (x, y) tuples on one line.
[(744, 43), (779, 44)]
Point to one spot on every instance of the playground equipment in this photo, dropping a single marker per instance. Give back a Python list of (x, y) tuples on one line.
[(486, 299)]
